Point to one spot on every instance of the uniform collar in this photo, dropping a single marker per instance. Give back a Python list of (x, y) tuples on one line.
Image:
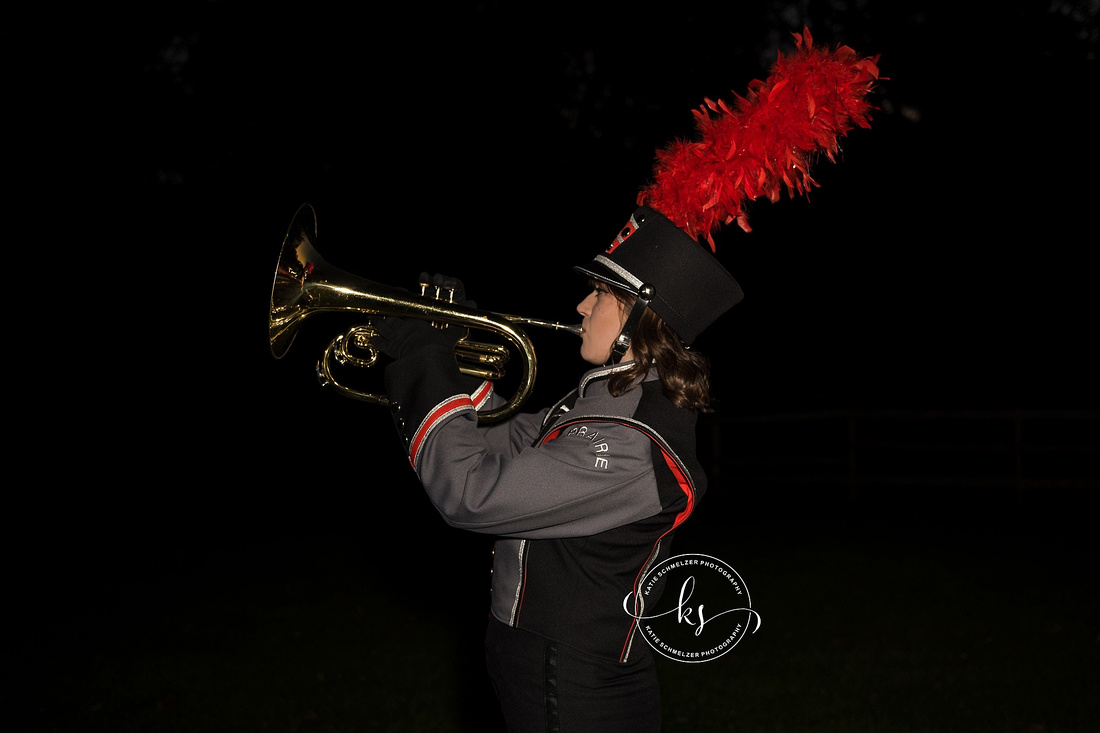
[(599, 375)]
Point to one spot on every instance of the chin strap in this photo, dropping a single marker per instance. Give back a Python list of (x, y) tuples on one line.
[(622, 343)]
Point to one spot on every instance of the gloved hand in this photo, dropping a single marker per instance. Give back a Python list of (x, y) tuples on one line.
[(400, 337), (426, 372)]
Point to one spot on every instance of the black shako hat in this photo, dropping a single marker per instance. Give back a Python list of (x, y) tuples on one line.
[(687, 287), (756, 147)]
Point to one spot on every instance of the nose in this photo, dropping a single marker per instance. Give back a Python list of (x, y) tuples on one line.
[(585, 306)]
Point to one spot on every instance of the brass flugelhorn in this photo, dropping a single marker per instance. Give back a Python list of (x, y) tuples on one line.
[(305, 284)]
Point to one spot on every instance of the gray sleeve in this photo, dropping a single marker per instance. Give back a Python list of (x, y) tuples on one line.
[(595, 476), (513, 435)]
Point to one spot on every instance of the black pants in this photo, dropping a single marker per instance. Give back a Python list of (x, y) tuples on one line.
[(544, 687)]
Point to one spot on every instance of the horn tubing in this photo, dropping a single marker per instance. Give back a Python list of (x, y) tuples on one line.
[(305, 284)]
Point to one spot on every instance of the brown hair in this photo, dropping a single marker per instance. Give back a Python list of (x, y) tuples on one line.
[(685, 374)]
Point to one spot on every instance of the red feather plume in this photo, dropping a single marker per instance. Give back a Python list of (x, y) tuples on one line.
[(767, 142)]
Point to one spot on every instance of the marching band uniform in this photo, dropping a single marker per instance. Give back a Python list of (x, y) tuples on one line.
[(585, 497)]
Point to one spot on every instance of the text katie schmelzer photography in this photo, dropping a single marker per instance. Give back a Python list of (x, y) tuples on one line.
[(692, 608)]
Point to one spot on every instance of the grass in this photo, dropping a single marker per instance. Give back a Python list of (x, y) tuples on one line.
[(889, 643), (869, 631)]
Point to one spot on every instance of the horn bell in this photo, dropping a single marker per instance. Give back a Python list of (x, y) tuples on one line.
[(305, 284)]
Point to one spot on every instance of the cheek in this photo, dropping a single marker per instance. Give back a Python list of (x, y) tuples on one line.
[(613, 316), (601, 319)]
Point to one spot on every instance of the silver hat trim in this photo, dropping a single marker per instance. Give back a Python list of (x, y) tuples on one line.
[(624, 274)]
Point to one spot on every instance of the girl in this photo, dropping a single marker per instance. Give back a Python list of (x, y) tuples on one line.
[(585, 496)]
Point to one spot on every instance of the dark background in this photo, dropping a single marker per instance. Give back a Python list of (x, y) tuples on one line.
[(945, 256), (946, 262)]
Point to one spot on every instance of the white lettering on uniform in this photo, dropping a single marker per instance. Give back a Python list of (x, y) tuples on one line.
[(582, 431)]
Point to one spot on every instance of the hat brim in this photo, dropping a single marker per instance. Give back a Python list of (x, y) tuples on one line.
[(596, 271)]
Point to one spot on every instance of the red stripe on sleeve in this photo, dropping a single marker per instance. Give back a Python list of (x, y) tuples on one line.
[(441, 410)]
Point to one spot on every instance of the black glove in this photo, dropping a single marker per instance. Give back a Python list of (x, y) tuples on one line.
[(426, 372), (400, 337)]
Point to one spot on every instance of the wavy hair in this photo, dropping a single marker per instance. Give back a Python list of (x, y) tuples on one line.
[(684, 374)]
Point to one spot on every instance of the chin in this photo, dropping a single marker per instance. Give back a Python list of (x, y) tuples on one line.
[(596, 361)]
